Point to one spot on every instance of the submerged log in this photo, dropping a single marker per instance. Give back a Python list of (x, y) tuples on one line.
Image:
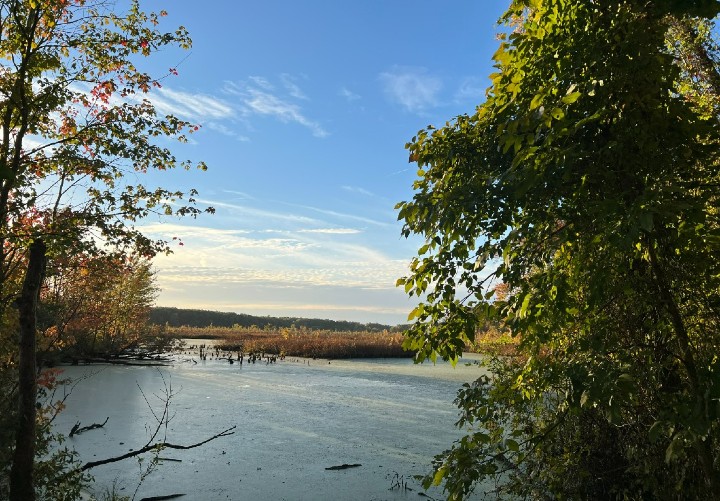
[(343, 466), (160, 498)]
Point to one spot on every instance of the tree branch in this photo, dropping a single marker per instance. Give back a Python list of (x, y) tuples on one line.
[(151, 447)]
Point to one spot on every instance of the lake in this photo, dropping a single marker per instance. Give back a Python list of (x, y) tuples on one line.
[(294, 419)]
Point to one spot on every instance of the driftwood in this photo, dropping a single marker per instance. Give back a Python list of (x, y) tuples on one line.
[(77, 429), (343, 466), (160, 498), (124, 356), (140, 361), (155, 447)]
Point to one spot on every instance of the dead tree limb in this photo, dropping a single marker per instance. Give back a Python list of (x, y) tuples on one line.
[(161, 498), (77, 429), (155, 447), (344, 466)]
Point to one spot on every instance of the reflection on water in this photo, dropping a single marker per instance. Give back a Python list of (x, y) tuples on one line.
[(294, 419)]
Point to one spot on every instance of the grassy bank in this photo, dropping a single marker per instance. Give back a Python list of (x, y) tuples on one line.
[(302, 342), (299, 342)]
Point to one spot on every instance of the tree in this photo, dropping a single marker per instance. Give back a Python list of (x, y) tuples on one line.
[(587, 184), (75, 119), (96, 305)]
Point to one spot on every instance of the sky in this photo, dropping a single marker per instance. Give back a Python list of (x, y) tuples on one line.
[(305, 109)]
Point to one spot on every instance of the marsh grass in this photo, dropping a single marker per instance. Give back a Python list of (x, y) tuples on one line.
[(491, 339), (299, 342)]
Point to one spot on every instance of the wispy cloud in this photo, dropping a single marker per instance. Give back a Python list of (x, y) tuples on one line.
[(323, 307), (177, 269), (190, 105), (332, 231), (262, 272), (258, 97), (226, 131), (211, 254), (341, 215), (240, 194), (348, 94), (261, 82), (471, 88), (412, 88), (357, 189), (33, 142), (260, 214), (292, 88)]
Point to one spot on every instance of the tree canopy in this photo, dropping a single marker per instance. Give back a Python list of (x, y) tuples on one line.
[(77, 120), (587, 184), (77, 131)]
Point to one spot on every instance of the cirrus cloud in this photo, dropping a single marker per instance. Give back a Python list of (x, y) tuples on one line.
[(258, 97), (413, 88)]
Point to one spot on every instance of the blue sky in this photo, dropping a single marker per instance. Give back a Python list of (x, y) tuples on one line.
[(305, 109)]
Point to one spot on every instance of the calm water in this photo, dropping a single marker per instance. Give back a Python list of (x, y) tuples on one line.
[(293, 418)]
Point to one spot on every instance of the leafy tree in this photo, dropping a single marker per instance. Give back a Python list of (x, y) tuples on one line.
[(587, 184), (96, 305), (75, 120)]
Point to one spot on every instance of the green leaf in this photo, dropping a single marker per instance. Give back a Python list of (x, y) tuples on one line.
[(571, 98), (439, 475), (584, 398), (525, 305), (512, 445), (671, 450), (416, 312), (536, 101), (655, 430)]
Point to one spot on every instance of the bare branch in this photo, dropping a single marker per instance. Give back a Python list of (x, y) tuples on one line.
[(152, 447), (77, 429)]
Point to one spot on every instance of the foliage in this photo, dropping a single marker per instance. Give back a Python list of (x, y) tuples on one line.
[(78, 125), (587, 183), (96, 305), (77, 130), (54, 473)]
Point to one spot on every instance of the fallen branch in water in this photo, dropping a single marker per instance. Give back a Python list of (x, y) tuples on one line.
[(343, 466), (77, 429), (155, 447), (139, 362), (160, 498)]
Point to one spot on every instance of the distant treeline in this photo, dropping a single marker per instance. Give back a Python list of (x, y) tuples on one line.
[(177, 317)]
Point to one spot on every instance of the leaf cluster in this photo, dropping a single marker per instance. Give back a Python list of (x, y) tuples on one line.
[(587, 184)]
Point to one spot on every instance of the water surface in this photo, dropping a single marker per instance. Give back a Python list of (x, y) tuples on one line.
[(294, 419)]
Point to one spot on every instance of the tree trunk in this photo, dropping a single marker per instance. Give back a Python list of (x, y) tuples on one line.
[(21, 476), (704, 447)]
